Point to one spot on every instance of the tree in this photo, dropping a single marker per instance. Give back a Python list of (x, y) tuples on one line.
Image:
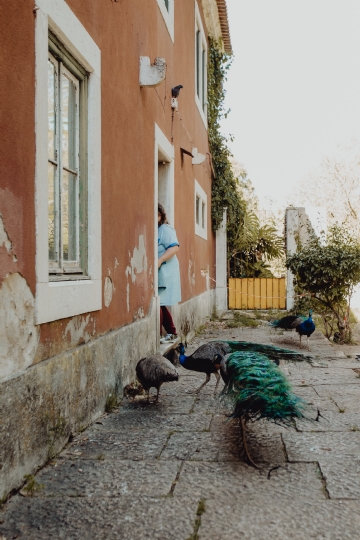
[(256, 242), (327, 270), (336, 186)]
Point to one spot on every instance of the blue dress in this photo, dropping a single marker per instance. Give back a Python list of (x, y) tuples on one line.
[(169, 272)]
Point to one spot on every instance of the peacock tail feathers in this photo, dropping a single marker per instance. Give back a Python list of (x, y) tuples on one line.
[(258, 389), (289, 322), (270, 351)]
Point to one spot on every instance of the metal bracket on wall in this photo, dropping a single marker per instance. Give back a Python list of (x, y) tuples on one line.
[(182, 152)]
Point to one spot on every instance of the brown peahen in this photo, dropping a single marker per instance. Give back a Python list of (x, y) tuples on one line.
[(153, 371)]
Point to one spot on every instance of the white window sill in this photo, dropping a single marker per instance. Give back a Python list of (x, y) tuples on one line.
[(60, 299)]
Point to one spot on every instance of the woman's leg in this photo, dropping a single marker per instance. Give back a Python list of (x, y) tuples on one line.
[(166, 320), (161, 320)]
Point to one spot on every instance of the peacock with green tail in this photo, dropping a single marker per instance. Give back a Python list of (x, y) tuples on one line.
[(255, 386), (258, 389)]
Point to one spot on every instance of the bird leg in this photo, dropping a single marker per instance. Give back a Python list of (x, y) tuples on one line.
[(307, 342), (157, 395), (208, 375), (300, 341), (217, 375), (243, 433), (148, 395)]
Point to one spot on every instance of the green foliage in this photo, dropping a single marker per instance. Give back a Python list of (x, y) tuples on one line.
[(259, 389), (32, 486), (241, 320), (224, 189), (253, 245), (112, 402), (327, 271)]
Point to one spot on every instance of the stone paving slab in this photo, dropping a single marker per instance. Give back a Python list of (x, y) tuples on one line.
[(143, 420), (143, 471), (342, 478), (201, 447), (232, 480), (134, 445), (314, 446), (256, 517), (124, 518), (331, 421), (110, 478)]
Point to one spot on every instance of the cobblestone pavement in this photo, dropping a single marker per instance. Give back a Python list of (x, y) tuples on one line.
[(175, 470)]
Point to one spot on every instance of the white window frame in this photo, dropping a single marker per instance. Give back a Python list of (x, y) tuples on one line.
[(167, 149), (202, 68), (59, 299), (168, 16), (61, 266), (202, 225)]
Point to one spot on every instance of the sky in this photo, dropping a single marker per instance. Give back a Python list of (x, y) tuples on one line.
[(293, 88)]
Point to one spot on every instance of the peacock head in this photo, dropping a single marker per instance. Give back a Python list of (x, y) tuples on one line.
[(310, 313), (181, 348)]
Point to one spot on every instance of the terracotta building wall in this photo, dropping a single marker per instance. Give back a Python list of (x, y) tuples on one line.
[(123, 31)]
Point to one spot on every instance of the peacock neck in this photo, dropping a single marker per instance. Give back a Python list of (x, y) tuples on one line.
[(182, 359)]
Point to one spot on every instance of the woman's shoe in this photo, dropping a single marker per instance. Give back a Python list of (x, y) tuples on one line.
[(168, 339)]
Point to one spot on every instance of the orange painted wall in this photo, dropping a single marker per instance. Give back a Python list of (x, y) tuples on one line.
[(123, 31)]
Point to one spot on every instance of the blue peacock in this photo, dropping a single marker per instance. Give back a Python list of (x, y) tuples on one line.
[(304, 326)]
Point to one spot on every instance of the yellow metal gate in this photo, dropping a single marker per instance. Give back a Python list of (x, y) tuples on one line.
[(257, 293)]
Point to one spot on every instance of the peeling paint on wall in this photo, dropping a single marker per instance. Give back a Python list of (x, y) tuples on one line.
[(140, 314), (5, 240), (76, 329), (108, 291), (138, 264), (128, 296), (138, 261), (18, 334), (191, 274)]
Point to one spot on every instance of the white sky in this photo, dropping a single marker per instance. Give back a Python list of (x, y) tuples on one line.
[(293, 88)]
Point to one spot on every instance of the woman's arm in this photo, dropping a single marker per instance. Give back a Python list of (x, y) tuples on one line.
[(170, 252)]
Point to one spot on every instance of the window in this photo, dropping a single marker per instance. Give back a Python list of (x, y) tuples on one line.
[(67, 165), (167, 11), (67, 122), (200, 211), (200, 66)]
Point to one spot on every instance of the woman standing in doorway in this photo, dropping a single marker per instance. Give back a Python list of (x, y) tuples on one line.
[(168, 274)]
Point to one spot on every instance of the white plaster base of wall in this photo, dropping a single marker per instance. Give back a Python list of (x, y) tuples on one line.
[(43, 405), (192, 314)]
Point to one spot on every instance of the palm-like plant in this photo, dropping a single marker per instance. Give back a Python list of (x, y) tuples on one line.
[(254, 245)]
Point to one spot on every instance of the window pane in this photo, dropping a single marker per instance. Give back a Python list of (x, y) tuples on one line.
[(52, 225), (69, 216), (68, 118), (51, 111), (198, 37), (167, 4), (203, 80), (203, 216), (197, 210)]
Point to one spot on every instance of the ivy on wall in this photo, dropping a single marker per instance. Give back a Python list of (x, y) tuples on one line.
[(225, 191)]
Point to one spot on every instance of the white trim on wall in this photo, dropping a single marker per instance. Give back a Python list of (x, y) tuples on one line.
[(199, 26), (167, 149), (201, 227), (168, 16), (57, 300)]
